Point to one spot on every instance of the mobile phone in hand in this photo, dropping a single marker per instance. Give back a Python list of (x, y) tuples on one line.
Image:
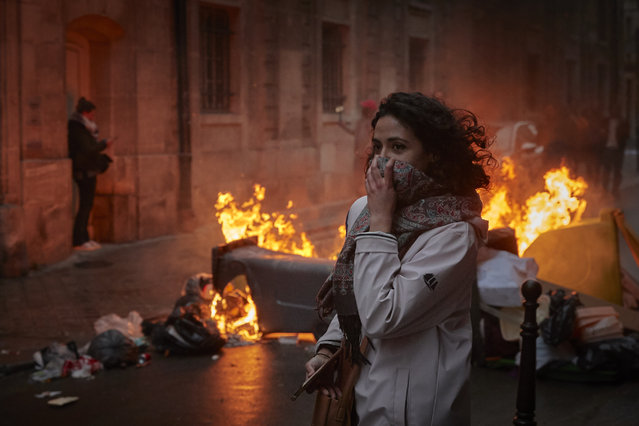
[(312, 381)]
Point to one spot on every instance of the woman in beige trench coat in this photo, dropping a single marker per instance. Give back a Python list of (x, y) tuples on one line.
[(405, 273)]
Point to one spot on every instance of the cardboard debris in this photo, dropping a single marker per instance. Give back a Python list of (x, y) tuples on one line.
[(63, 400), (597, 323), (628, 317), (48, 394)]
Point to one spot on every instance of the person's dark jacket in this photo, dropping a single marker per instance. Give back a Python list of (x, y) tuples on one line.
[(623, 134), (84, 151)]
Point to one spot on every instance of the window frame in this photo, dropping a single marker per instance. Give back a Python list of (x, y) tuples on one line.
[(217, 59), (334, 83)]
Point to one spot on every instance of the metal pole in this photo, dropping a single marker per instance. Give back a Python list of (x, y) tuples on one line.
[(525, 415)]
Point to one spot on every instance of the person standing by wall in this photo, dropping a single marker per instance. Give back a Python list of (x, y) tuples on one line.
[(618, 133), (85, 150)]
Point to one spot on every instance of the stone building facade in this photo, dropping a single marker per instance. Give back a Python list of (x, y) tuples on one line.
[(212, 96)]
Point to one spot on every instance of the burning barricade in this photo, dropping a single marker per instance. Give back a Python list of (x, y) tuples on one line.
[(265, 263), (586, 312), (265, 278)]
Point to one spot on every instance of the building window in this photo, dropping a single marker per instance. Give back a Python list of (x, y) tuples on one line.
[(571, 81), (417, 56), (333, 37), (601, 84), (602, 20), (215, 59), (532, 81)]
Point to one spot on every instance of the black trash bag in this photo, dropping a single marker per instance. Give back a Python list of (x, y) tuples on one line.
[(560, 324), (185, 335), (620, 355), (114, 349)]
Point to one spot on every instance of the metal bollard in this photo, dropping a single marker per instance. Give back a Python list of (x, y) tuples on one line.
[(525, 415)]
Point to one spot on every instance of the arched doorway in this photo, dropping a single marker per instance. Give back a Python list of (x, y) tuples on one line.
[(89, 40)]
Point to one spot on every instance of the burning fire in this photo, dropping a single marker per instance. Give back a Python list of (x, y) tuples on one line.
[(234, 311), (274, 231), (558, 205)]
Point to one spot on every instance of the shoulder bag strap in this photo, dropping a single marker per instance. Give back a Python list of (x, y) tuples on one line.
[(348, 384)]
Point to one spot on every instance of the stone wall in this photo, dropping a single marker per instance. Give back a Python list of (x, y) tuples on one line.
[(275, 134)]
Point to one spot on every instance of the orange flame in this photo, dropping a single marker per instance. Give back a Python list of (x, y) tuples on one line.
[(235, 313), (274, 231), (557, 206)]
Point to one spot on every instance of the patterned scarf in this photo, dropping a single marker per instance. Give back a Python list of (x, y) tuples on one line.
[(91, 126), (421, 205)]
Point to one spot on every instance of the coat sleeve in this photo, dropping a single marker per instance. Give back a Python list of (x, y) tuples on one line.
[(332, 337), (82, 142), (396, 299)]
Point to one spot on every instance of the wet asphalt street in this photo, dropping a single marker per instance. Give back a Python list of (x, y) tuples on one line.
[(251, 385)]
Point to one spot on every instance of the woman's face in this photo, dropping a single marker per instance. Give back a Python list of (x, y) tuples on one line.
[(90, 115), (392, 140)]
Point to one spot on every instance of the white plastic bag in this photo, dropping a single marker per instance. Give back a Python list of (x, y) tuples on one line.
[(131, 326), (500, 275)]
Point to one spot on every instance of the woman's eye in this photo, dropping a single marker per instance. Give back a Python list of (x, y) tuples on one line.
[(398, 147)]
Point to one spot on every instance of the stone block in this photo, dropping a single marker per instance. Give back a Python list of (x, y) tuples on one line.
[(299, 162), (14, 260), (119, 178), (47, 209), (158, 194), (328, 154), (338, 186), (220, 137), (157, 122), (114, 218)]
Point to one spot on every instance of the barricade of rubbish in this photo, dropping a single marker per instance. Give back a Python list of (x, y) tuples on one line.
[(587, 324)]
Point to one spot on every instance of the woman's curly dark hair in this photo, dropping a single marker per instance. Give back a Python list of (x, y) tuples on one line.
[(453, 136)]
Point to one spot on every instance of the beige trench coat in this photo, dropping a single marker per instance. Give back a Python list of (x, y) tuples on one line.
[(416, 313)]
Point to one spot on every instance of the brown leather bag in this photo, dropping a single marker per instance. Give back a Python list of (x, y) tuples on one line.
[(337, 412)]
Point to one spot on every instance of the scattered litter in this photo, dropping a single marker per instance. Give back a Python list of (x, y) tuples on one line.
[(114, 349), (215, 357), (49, 361), (143, 360), (185, 334), (4, 352), (560, 325), (48, 394), (500, 274), (131, 326), (55, 351), (82, 368), (291, 338), (63, 400), (288, 340), (235, 340)]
